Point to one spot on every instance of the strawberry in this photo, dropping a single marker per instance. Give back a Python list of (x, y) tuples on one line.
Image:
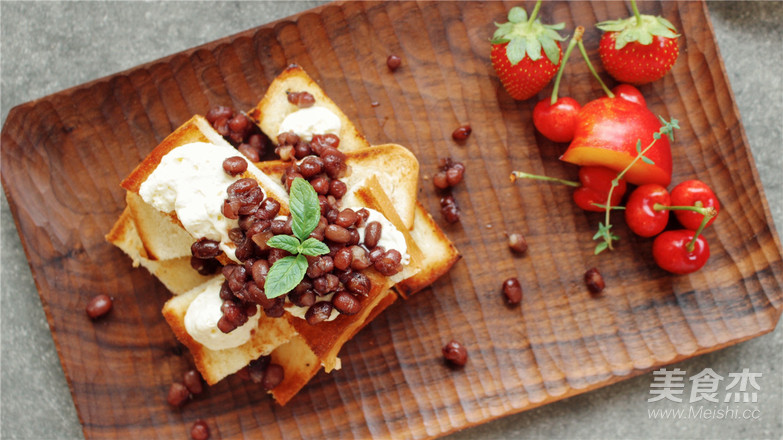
[(526, 53), (639, 49)]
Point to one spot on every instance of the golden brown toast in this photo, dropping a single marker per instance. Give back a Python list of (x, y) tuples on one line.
[(176, 273), (274, 107)]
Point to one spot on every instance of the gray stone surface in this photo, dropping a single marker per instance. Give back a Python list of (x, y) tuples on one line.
[(47, 47)]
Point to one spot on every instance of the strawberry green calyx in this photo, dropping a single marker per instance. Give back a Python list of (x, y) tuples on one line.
[(638, 28), (527, 36)]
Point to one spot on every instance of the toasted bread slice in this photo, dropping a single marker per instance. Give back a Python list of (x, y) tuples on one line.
[(176, 274), (214, 365), (395, 167), (274, 107), (162, 234), (299, 361), (439, 253)]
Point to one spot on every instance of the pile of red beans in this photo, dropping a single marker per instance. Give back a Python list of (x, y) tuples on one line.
[(239, 130), (339, 273)]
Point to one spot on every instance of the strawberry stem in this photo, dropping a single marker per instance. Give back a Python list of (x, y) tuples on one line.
[(577, 37), (534, 14), (523, 175), (592, 70), (636, 13)]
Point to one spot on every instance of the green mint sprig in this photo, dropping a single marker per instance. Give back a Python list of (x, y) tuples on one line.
[(605, 228), (289, 271)]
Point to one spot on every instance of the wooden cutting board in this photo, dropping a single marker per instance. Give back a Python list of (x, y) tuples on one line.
[(64, 155)]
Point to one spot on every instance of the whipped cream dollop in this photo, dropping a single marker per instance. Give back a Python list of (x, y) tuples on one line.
[(203, 314), (190, 182), (309, 121), (391, 237)]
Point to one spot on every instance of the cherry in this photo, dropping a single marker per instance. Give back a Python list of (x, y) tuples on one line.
[(629, 93), (679, 252), (596, 183), (557, 121), (640, 213), (555, 118), (694, 193)]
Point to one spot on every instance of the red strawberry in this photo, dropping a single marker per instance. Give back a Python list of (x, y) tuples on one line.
[(639, 49), (526, 53)]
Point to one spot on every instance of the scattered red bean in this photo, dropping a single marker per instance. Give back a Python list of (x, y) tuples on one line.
[(594, 281), (449, 209), (517, 243), (200, 430), (455, 353), (512, 290), (178, 394), (193, 383), (450, 173), (393, 62), (98, 306), (462, 133)]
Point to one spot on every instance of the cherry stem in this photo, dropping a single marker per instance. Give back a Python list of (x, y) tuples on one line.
[(577, 37), (523, 175), (636, 13), (695, 208), (707, 217), (534, 14), (592, 69)]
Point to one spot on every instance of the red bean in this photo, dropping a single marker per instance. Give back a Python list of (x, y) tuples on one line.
[(512, 290), (273, 376), (449, 209), (178, 394), (98, 306), (320, 142), (359, 284), (517, 243), (372, 234), (234, 165), (594, 281), (393, 62), (346, 303), (462, 132), (342, 258), (199, 430), (301, 99), (346, 218), (337, 234), (289, 138), (311, 166), (193, 383), (218, 112), (318, 312), (455, 353), (338, 188), (361, 258)]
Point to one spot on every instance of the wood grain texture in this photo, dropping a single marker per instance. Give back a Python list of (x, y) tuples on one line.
[(64, 155)]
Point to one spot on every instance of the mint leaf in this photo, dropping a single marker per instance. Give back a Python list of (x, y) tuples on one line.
[(284, 275), (284, 242), (305, 210), (313, 247)]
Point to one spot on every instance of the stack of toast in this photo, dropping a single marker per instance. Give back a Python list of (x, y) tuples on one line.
[(380, 177)]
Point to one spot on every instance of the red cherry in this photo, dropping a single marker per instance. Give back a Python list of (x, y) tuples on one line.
[(557, 121), (629, 93), (640, 214), (693, 193), (596, 183), (670, 251)]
